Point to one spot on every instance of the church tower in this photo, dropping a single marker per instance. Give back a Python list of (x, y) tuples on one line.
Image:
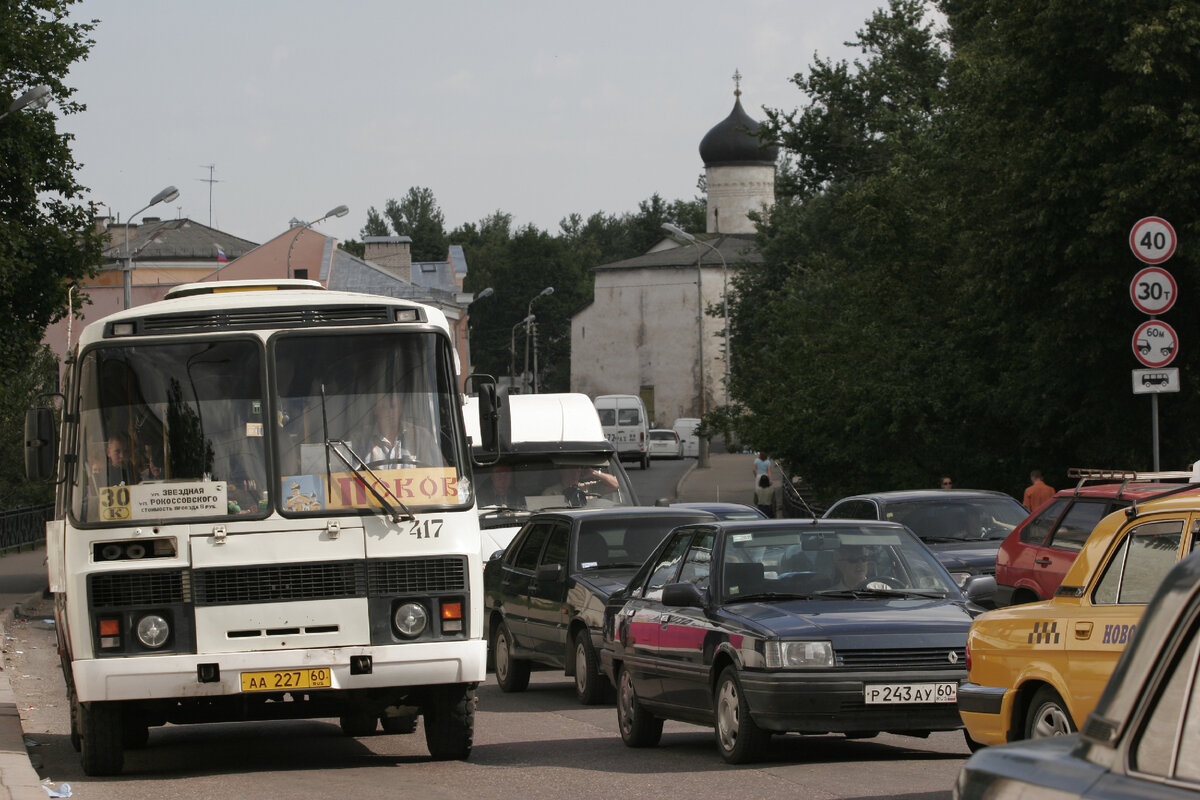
[(740, 172)]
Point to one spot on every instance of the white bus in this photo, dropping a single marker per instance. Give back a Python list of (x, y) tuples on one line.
[(239, 534)]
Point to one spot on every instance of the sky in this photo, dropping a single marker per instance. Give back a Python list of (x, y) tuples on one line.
[(538, 108)]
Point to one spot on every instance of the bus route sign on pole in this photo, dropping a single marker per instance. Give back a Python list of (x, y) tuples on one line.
[(1153, 291), (1152, 240)]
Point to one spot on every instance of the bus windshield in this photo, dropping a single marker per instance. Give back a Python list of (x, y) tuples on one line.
[(180, 431)]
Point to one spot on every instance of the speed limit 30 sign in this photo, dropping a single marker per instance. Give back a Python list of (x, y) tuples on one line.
[(1152, 240), (1153, 291)]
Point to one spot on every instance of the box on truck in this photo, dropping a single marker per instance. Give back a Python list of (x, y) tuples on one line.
[(263, 512), (539, 438), (623, 418)]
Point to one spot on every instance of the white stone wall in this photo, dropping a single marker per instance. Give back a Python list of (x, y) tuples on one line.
[(641, 330), (735, 191)]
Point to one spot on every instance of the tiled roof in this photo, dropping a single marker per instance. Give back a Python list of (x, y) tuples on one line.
[(735, 248), (181, 239)]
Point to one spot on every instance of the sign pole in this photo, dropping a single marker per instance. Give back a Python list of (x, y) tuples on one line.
[(1154, 426)]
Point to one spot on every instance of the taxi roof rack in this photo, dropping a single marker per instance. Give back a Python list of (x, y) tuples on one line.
[(1127, 476)]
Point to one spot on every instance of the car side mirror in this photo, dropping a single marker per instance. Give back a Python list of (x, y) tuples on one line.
[(549, 572), (980, 589), (683, 595)]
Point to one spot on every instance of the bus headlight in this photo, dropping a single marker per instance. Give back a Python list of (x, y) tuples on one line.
[(410, 620), (153, 631)]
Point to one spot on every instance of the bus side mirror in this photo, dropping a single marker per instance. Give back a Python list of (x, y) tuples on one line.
[(483, 387), (41, 444)]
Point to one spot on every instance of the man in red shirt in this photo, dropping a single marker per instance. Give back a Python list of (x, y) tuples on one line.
[(1037, 492)]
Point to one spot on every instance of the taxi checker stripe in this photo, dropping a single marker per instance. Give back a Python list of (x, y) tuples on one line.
[(1042, 633)]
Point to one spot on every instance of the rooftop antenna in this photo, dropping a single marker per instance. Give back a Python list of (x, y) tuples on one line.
[(210, 180)]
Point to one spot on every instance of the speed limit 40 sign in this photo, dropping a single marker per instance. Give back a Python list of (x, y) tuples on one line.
[(1152, 240), (1153, 291)]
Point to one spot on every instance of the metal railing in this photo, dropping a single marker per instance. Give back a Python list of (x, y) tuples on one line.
[(24, 528)]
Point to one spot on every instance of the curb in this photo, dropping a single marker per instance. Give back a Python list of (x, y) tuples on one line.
[(18, 779)]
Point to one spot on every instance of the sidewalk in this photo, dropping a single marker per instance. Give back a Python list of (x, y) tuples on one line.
[(729, 478), (18, 779)]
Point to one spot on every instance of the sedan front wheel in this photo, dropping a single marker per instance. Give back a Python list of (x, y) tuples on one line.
[(738, 738), (638, 727)]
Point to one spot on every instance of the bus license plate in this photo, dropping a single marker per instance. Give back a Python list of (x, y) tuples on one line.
[(889, 693), (285, 680)]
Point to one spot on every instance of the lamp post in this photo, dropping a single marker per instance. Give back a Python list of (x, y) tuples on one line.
[(512, 349), (165, 196), (679, 233), (339, 211), (529, 322), (37, 97)]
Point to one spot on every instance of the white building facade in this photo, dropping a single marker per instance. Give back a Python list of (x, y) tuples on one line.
[(645, 332)]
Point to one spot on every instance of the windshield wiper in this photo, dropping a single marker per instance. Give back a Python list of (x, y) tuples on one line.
[(880, 593), (749, 598), (372, 484)]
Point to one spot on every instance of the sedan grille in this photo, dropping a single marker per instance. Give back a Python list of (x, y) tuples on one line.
[(885, 659)]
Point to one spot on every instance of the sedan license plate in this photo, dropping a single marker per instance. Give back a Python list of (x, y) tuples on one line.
[(285, 680), (892, 693)]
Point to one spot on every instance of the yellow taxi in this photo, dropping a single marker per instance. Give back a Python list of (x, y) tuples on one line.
[(1037, 670)]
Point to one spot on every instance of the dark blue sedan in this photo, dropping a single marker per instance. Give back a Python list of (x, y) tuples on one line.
[(775, 626)]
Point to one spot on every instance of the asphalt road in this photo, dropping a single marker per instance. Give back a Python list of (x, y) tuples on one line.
[(536, 744)]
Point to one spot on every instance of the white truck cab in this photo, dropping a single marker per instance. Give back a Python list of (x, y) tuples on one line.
[(551, 452)]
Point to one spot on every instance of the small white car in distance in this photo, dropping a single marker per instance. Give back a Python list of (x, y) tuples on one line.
[(665, 443)]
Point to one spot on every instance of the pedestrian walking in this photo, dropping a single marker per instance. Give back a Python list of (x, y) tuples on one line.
[(764, 496), (762, 466), (1037, 492)]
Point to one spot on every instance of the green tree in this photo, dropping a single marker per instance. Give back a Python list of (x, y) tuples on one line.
[(48, 243), (418, 216)]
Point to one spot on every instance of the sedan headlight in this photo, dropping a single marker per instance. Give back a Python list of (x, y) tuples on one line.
[(790, 655)]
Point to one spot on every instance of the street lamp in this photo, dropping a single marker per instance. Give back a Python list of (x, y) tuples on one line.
[(165, 196), (37, 97), (702, 454), (679, 233), (339, 211), (529, 321), (512, 349)]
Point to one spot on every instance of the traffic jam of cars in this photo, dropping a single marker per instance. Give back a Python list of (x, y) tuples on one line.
[(1061, 641)]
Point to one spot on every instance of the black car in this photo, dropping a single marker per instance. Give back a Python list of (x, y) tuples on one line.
[(544, 598), (963, 527), (774, 626), (1140, 741), (725, 510)]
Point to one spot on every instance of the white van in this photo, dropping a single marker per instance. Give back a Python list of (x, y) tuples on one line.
[(623, 417), (686, 428)]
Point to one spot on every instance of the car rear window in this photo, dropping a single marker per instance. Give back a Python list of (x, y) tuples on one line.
[(1077, 524), (1038, 529)]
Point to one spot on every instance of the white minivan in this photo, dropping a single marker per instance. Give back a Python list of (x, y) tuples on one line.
[(623, 418), (686, 428)]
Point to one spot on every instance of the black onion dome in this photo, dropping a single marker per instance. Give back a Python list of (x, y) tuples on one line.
[(734, 140)]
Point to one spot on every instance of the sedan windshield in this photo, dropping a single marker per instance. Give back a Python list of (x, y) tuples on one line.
[(959, 519), (814, 561)]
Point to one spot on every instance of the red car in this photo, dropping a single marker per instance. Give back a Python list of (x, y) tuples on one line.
[(1033, 559)]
